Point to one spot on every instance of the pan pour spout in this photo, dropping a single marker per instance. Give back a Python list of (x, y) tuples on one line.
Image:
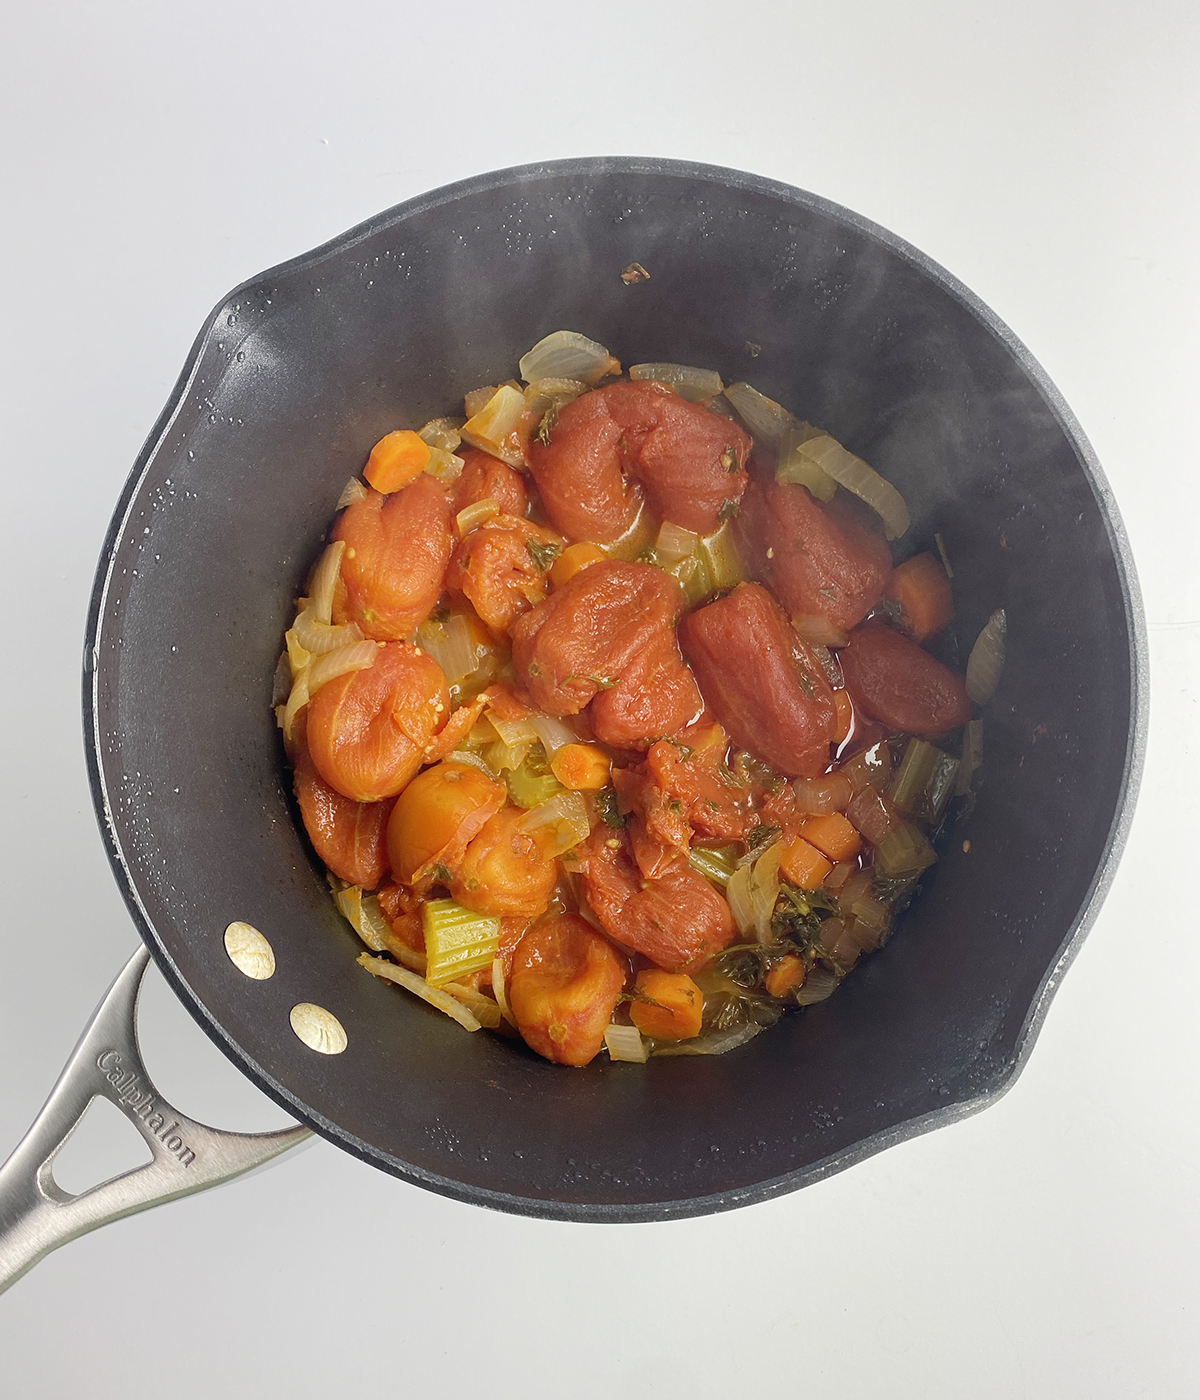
[(37, 1215)]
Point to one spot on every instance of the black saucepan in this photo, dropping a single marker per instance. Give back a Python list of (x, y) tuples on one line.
[(290, 382)]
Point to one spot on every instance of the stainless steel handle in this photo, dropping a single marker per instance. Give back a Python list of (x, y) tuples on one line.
[(37, 1215)]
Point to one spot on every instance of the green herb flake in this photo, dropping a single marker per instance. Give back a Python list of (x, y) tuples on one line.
[(606, 806), (760, 838), (543, 554), (729, 509), (548, 424)]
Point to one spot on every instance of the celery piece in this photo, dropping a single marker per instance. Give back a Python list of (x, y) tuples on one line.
[(715, 865), (457, 941), (904, 851), (937, 790), (532, 783), (916, 768), (719, 553)]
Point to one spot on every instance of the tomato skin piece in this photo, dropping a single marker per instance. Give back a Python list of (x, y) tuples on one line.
[(761, 681), (494, 569), (503, 871), (349, 837), (894, 680), (589, 632), (368, 730), (642, 432), (677, 919), (565, 982), (485, 478), (818, 560), (397, 549), (437, 815)]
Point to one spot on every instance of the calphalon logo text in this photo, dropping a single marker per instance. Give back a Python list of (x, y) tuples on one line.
[(141, 1103)]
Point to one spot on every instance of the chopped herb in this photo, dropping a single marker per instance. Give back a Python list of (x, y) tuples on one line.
[(728, 510), (805, 681), (752, 349), (440, 873), (649, 555), (604, 682), (606, 806), (440, 615), (534, 669), (759, 838), (684, 752), (543, 554), (548, 424), (711, 805), (828, 592), (675, 805)]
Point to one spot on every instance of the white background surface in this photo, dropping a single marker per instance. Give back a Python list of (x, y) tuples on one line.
[(1045, 153)]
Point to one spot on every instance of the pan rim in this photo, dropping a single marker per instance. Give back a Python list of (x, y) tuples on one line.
[(638, 1211)]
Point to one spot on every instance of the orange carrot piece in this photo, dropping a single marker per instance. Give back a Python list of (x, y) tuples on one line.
[(922, 589), (581, 767), (803, 865), (845, 716), (395, 460), (679, 1009), (786, 975), (573, 560), (833, 836)]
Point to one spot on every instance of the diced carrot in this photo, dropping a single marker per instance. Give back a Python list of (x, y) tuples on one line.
[(803, 864), (395, 460), (832, 836), (922, 589), (785, 976), (845, 716), (573, 560), (581, 767), (674, 1009)]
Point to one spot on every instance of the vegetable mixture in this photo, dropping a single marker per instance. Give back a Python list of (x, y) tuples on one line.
[(610, 716)]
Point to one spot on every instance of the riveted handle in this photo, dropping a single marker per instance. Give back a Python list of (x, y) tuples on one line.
[(37, 1215)]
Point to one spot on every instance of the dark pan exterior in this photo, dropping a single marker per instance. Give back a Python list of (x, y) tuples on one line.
[(294, 377)]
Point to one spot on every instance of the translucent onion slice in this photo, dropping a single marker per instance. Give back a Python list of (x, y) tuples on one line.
[(297, 700), (567, 355), (473, 516), (863, 481), (553, 733), (441, 432), (475, 399), (558, 825), (800, 470), (830, 664), (353, 492), (443, 464), (687, 381), (499, 991), (986, 661), (819, 631), (764, 890), (472, 760), (483, 1008), (715, 1043), (625, 1043), (298, 656), (358, 656), (324, 580), (737, 892), (544, 394), (449, 643), (674, 543), (972, 756), (514, 731), (493, 428), (319, 637), (281, 682), (766, 420), (718, 551), (818, 985), (378, 967)]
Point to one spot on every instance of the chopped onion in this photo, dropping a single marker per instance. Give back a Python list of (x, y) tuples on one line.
[(718, 551), (557, 825), (493, 428), (443, 464), (764, 889), (353, 492), (818, 797), (800, 470), (567, 355), (818, 631), (358, 656), (474, 515), (499, 991), (298, 657), (295, 703), (625, 1043), (514, 731), (441, 432), (986, 661), (819, 985), (544, 394), (766, 420), (687, 381), (324, 580), (433, 995), (349, 901), (450, 645), (553, 733), (716, 1043), (320, 637), (281, 682), (830, 665), (636, 540), (737, 892), (674, 543), (972, 756), (862, 481), (472, 760), (477, 398), (483, 1008)]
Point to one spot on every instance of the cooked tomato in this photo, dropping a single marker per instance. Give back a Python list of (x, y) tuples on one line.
[(820, 561), (689, 461), (503, 871), (655, 696), (368, 730), (397, 549), (566, 980), (677, 920), (501, 567), (588, 633), (350, 837), (437, 815), (402, 908), (894, 680), (485, 478), (689, 772), (762, 682)]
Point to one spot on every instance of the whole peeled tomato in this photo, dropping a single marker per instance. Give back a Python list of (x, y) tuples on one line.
[(503, 870), (437, 815), (894, 680)]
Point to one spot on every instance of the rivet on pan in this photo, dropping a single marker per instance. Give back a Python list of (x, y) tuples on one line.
[(249, 951), (319, 1029)]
